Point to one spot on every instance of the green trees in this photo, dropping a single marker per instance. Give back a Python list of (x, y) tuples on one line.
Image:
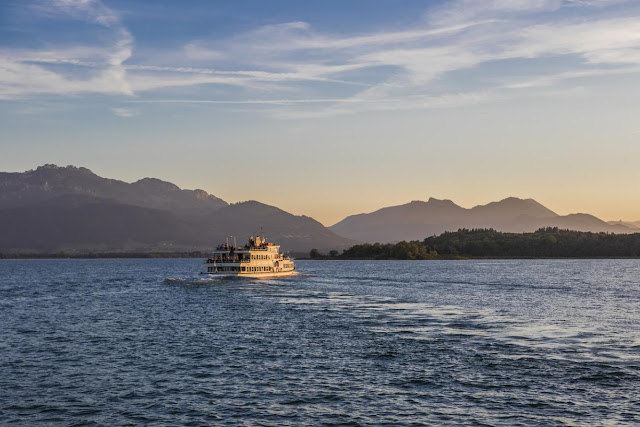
[(489, 243), (402, 250), (543, 243)]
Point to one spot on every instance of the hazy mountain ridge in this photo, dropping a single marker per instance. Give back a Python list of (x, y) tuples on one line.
[(49, 181), (630, 224), (512, 207), (68, 208), (293, 232), (84, 223), (417, 220)]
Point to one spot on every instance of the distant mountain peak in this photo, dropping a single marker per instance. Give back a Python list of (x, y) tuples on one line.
[(515, 205), (513, 199), (201, 194), (50, 180), (442, 202), (582, 215), (256, 205), (630, 224), (416, 220), (48, 166), (156, 184), (69, 208), (69, 168)]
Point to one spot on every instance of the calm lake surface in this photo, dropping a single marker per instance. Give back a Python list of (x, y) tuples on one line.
[(127, 342)]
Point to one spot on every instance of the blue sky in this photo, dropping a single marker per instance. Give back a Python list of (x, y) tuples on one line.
[(341, 106)]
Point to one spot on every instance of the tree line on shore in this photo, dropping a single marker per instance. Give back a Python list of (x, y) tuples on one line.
[(461, 244), (489, 243)]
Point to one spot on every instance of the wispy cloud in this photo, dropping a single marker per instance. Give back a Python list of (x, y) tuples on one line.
[(554, 79), (124, 112), (25, 73), (383, 70)]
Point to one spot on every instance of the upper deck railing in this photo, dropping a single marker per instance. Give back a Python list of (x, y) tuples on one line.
[(223, 248), (226, 261)]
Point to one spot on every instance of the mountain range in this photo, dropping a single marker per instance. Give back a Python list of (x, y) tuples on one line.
[(71, 209), (418, 219), (629, 224), (49, 181)]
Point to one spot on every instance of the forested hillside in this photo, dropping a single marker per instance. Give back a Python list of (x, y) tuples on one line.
[(489, 243)]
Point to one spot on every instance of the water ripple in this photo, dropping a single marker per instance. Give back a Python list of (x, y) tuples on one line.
[(128, 342)]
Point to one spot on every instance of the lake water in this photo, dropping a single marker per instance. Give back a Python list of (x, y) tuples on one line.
[(115, 342)]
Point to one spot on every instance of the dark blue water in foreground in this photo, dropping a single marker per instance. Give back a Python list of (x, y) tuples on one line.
[(114, 342)]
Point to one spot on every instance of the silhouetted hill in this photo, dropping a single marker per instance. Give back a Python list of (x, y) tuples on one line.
[(70, 208), (50, 181), (402, 222), (630, 224), (84, 223), (418, 219), (586, 222), (294, 233), (79, 223), (509, 208)]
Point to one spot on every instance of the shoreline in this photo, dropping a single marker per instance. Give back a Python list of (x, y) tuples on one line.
[(195, 255)]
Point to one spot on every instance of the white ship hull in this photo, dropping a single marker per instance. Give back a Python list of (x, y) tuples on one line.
[(266, 275), (257, 259)]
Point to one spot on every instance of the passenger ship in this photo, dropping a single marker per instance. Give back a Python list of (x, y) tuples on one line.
[(257, 259)]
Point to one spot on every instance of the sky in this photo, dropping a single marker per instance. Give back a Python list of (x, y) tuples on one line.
[(333, 108)]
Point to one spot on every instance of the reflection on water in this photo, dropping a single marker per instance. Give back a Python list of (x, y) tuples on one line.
[(150, 341)]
